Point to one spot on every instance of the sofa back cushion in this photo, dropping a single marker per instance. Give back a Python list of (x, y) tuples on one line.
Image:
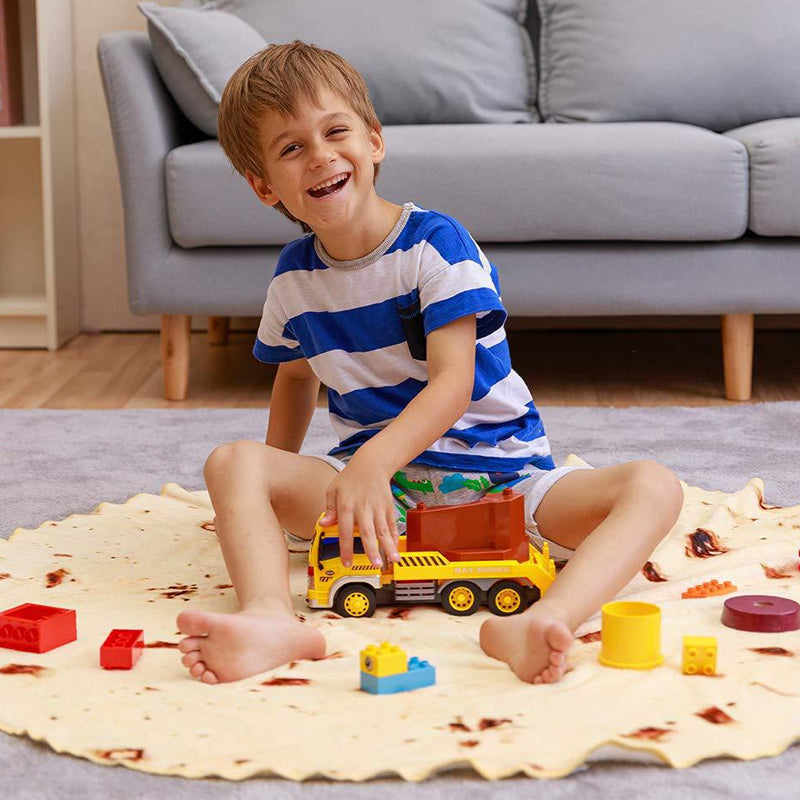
[(422, 62), (714, 63)]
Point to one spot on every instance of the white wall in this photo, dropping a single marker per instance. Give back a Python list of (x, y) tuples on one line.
[(101, 230)]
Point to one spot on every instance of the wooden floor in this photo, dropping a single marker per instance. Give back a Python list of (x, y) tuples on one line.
[(595, 368)]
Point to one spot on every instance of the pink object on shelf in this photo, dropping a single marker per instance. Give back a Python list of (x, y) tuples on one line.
[(122, 648), (761, 613), (36, 629)]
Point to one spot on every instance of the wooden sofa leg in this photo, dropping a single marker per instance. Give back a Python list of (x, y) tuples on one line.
[(176, 332), (218, 328), (737, 354)]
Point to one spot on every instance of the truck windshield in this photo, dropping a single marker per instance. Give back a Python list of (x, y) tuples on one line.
[(329, 548)]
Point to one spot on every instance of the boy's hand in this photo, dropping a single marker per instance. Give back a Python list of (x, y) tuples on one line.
[(360, 495)]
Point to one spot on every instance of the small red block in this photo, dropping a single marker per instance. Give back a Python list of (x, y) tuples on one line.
[(122, 649), (37, 629)]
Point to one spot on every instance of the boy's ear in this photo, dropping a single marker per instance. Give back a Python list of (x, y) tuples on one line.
[(262, 188), (377, 146)]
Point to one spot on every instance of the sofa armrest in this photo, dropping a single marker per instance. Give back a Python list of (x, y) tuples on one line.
[(146, 124)]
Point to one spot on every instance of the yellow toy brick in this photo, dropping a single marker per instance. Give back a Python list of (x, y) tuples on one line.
[(699, 655), (386, 659)]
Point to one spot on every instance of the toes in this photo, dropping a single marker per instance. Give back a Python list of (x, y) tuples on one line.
[(558, 636), (197, 669), (194, 623), (557, 658), (209, 677), (189, 644), (190, 659)]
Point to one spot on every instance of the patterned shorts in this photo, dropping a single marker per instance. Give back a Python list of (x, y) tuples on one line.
[(418, 483)]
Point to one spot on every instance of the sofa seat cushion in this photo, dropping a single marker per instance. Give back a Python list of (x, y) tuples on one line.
[(774, 149), (506, 183)]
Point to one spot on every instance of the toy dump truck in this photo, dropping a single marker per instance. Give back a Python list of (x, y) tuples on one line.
[(458, 555)]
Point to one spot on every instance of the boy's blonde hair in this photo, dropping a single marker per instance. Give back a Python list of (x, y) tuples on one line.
[(275, 79)]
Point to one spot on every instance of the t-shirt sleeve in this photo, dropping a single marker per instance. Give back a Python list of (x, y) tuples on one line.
[(456, 279), (275, 341)]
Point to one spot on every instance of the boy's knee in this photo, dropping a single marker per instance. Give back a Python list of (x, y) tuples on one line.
[(659, 484), (227, 458)]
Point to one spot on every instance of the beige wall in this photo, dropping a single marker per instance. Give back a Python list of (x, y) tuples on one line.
[(101, 230)]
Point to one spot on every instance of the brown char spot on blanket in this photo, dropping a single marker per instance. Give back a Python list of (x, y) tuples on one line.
[(300, 617), (651, 734), (286, 682), (469, 743), (773, 690), (242, 761), (714, 715), (772, 651), (594, 636), (334, 654), (650, 571), (162, 644), (704, 543), (4, 575), (331, 615), (776, 572), (121, 754), (488, 722), (224, 586), (399, 613), (175, 590), (63, 555), (459, 725), (22, 669), (54, 578)]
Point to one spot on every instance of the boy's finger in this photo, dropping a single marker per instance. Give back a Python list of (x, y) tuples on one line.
[(346, 537), (389, 546), (330, 516), (370, 541)]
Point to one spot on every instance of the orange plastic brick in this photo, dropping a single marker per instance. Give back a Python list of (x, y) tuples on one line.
[(709, 589)]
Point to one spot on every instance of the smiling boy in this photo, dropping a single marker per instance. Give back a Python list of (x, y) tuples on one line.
[(397, 311)]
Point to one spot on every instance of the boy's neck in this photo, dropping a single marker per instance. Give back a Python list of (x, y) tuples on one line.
[(358, 241)]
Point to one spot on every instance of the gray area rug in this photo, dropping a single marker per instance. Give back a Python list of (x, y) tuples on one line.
[(55, 463)]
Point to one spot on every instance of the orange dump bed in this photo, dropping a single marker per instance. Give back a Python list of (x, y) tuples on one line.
[(491, 529)]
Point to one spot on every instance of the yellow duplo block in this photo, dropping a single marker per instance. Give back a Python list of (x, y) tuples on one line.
[(699, 655), (384, 659)]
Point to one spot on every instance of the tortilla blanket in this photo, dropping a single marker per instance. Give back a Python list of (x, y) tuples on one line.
[(138, 564)]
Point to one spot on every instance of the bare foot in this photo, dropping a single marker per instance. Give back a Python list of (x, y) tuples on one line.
[(534, 644), (229, 647)]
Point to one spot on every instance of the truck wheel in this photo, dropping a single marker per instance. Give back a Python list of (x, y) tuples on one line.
[(461, 598), (356, 600), (507, 598)]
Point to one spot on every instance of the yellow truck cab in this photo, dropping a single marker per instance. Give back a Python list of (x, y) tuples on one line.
[(460, 582)]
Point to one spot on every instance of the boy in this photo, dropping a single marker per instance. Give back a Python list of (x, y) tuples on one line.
[(397, 311)]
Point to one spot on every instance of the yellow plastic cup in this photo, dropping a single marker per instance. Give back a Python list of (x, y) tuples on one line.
[(631, 635)]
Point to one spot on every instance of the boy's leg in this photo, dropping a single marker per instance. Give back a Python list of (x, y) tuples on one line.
[(256, 491), (613, 518)]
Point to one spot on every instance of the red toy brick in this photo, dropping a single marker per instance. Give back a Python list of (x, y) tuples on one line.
[(37, 629), (122, 649)]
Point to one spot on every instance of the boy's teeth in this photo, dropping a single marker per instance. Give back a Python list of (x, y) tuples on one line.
[(330, 182)]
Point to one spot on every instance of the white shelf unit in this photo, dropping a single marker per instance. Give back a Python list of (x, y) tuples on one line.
[(39, 269)]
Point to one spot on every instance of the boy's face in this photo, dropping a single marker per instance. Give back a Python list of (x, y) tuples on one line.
[(312, 148)]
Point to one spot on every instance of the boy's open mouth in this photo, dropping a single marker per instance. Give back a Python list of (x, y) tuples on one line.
[(324, 191)]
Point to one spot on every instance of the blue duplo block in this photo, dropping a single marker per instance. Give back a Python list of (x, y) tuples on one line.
[(420, 674)]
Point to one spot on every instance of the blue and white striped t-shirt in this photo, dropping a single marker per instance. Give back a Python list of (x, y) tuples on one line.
[(362, 326)]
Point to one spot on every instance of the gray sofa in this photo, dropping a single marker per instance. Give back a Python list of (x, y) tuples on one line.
[(638, 185)]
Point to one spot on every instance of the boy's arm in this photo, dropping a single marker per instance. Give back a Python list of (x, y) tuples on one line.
[(294, 397), (360, 494), (451, 377)]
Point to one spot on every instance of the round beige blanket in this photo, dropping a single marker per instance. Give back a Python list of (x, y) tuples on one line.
[(137, 565)]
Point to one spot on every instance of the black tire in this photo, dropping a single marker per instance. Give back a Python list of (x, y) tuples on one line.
[(507, 598), (461, 598), (353, 598)]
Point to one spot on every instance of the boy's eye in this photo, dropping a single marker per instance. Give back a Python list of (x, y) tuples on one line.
[(333, 130)]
